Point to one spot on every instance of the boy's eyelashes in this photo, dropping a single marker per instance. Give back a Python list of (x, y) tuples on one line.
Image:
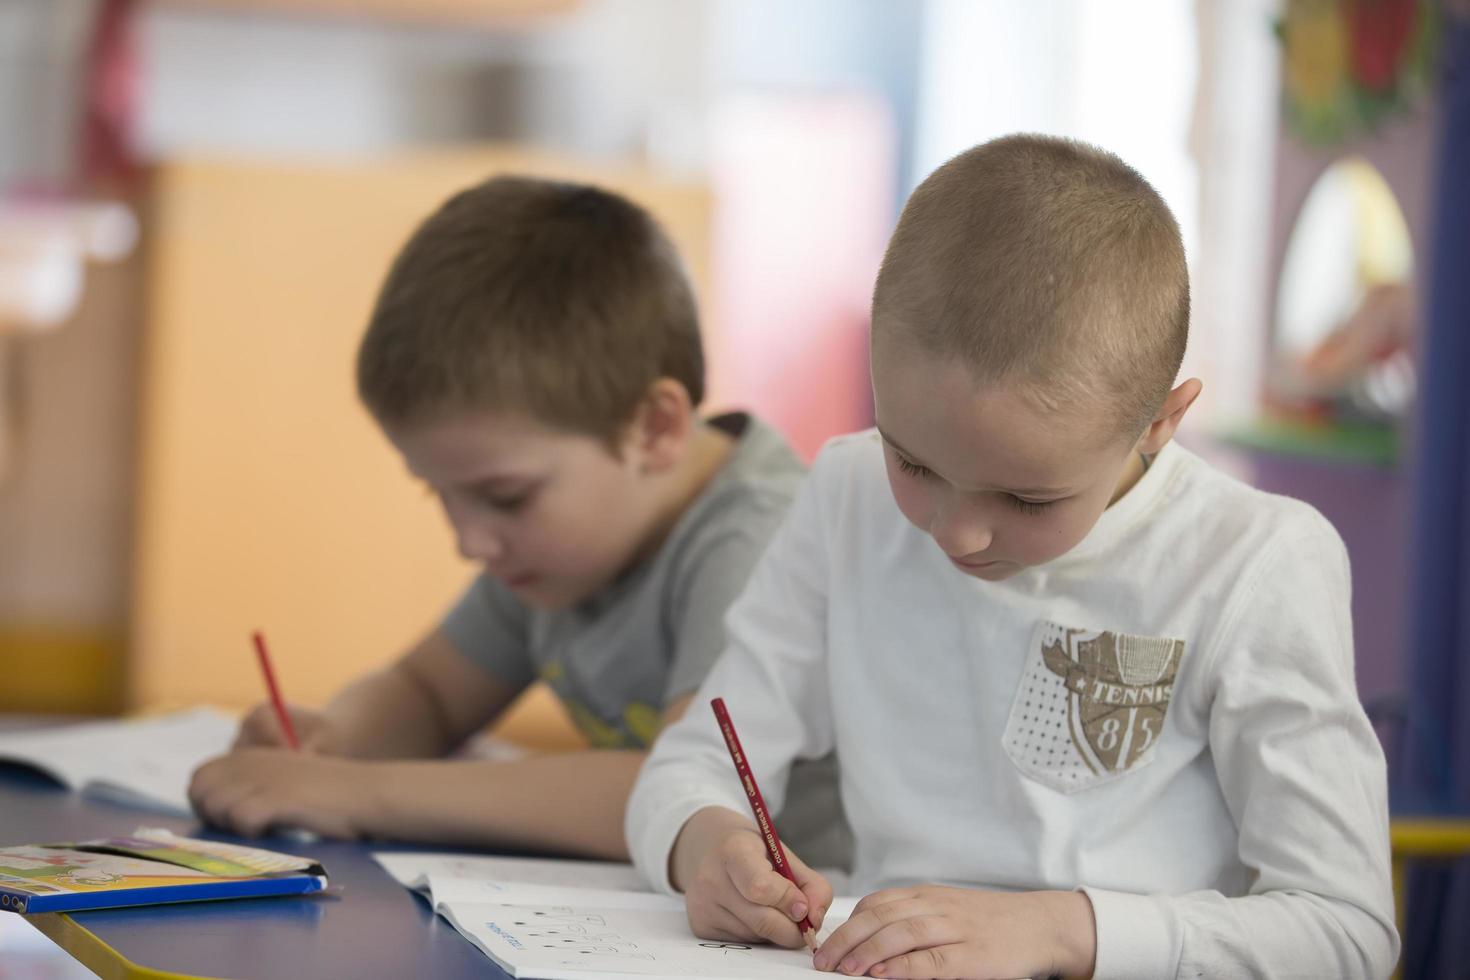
[(507, 502), (910, 467), (502, 501), (1020, 503)]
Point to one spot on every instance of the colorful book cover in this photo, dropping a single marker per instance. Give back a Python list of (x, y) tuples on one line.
[(150, 867)]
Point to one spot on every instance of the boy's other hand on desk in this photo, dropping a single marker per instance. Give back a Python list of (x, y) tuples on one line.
[(933, 931), (733, 893), (261, 728), (250, 790)]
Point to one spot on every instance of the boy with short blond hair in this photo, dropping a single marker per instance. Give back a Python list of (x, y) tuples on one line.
[(1104, 689), (534, 355)]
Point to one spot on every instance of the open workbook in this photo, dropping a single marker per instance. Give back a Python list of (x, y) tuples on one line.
[(148, 761), (573, 920), (576, 920), (144, 762)]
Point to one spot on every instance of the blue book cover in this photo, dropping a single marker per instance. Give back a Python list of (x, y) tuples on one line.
[(148, 868)]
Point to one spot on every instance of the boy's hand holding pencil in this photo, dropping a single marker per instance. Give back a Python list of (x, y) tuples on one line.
[(262, 728), (731, 891), (740, 881), (253, 789), (273, 723)]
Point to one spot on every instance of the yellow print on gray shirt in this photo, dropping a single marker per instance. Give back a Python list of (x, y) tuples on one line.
[(639, 725), (1091, 704)]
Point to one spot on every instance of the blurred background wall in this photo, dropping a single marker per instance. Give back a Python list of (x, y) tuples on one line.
[(199, 197)]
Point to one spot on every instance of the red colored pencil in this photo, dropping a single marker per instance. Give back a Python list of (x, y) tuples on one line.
[(275, 692), (774, 851)]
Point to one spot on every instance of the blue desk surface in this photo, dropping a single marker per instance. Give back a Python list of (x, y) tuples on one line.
[(367, 925)]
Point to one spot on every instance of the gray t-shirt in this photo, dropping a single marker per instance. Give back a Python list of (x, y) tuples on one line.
[(617, 659)]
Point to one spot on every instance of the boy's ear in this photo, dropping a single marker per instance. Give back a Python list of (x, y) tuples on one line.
[(1171, 413), (662, 426)]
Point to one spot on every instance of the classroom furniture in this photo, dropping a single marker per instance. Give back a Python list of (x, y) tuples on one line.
[(64, 505), (1424, 838), (1421, 831), (367, 925)]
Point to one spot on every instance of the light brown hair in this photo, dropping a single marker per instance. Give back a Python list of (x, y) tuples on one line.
[(1045, 263), (557, 299)]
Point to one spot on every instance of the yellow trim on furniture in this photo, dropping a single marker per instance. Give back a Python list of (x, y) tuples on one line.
[(1422, 837), (1417, 838), (60, 668), (84, 947)]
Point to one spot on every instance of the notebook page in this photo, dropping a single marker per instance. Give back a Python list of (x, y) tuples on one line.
[(576, 940), (472, 891), (39, 749), (141, 761), (413, 870), (550, 924)]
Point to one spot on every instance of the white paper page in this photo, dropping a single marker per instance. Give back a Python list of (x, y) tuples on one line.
[(574, 941), (35, 749), (444, 890), (413, 870), (142, 761), (562, 932)]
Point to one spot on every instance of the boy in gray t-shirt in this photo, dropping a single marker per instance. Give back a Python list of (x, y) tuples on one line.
[(649, 638), (535, 358)]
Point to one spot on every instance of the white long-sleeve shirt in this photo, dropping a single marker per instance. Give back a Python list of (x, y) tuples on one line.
[(1165, 716)]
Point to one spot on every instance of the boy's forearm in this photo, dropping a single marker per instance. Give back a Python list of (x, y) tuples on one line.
[(387, 715), (571, 803)]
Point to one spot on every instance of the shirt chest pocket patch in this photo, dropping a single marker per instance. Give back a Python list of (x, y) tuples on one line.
[(1090, 706)]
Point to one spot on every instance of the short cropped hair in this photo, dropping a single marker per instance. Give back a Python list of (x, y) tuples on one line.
[(559, 300), (1045, 263)]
